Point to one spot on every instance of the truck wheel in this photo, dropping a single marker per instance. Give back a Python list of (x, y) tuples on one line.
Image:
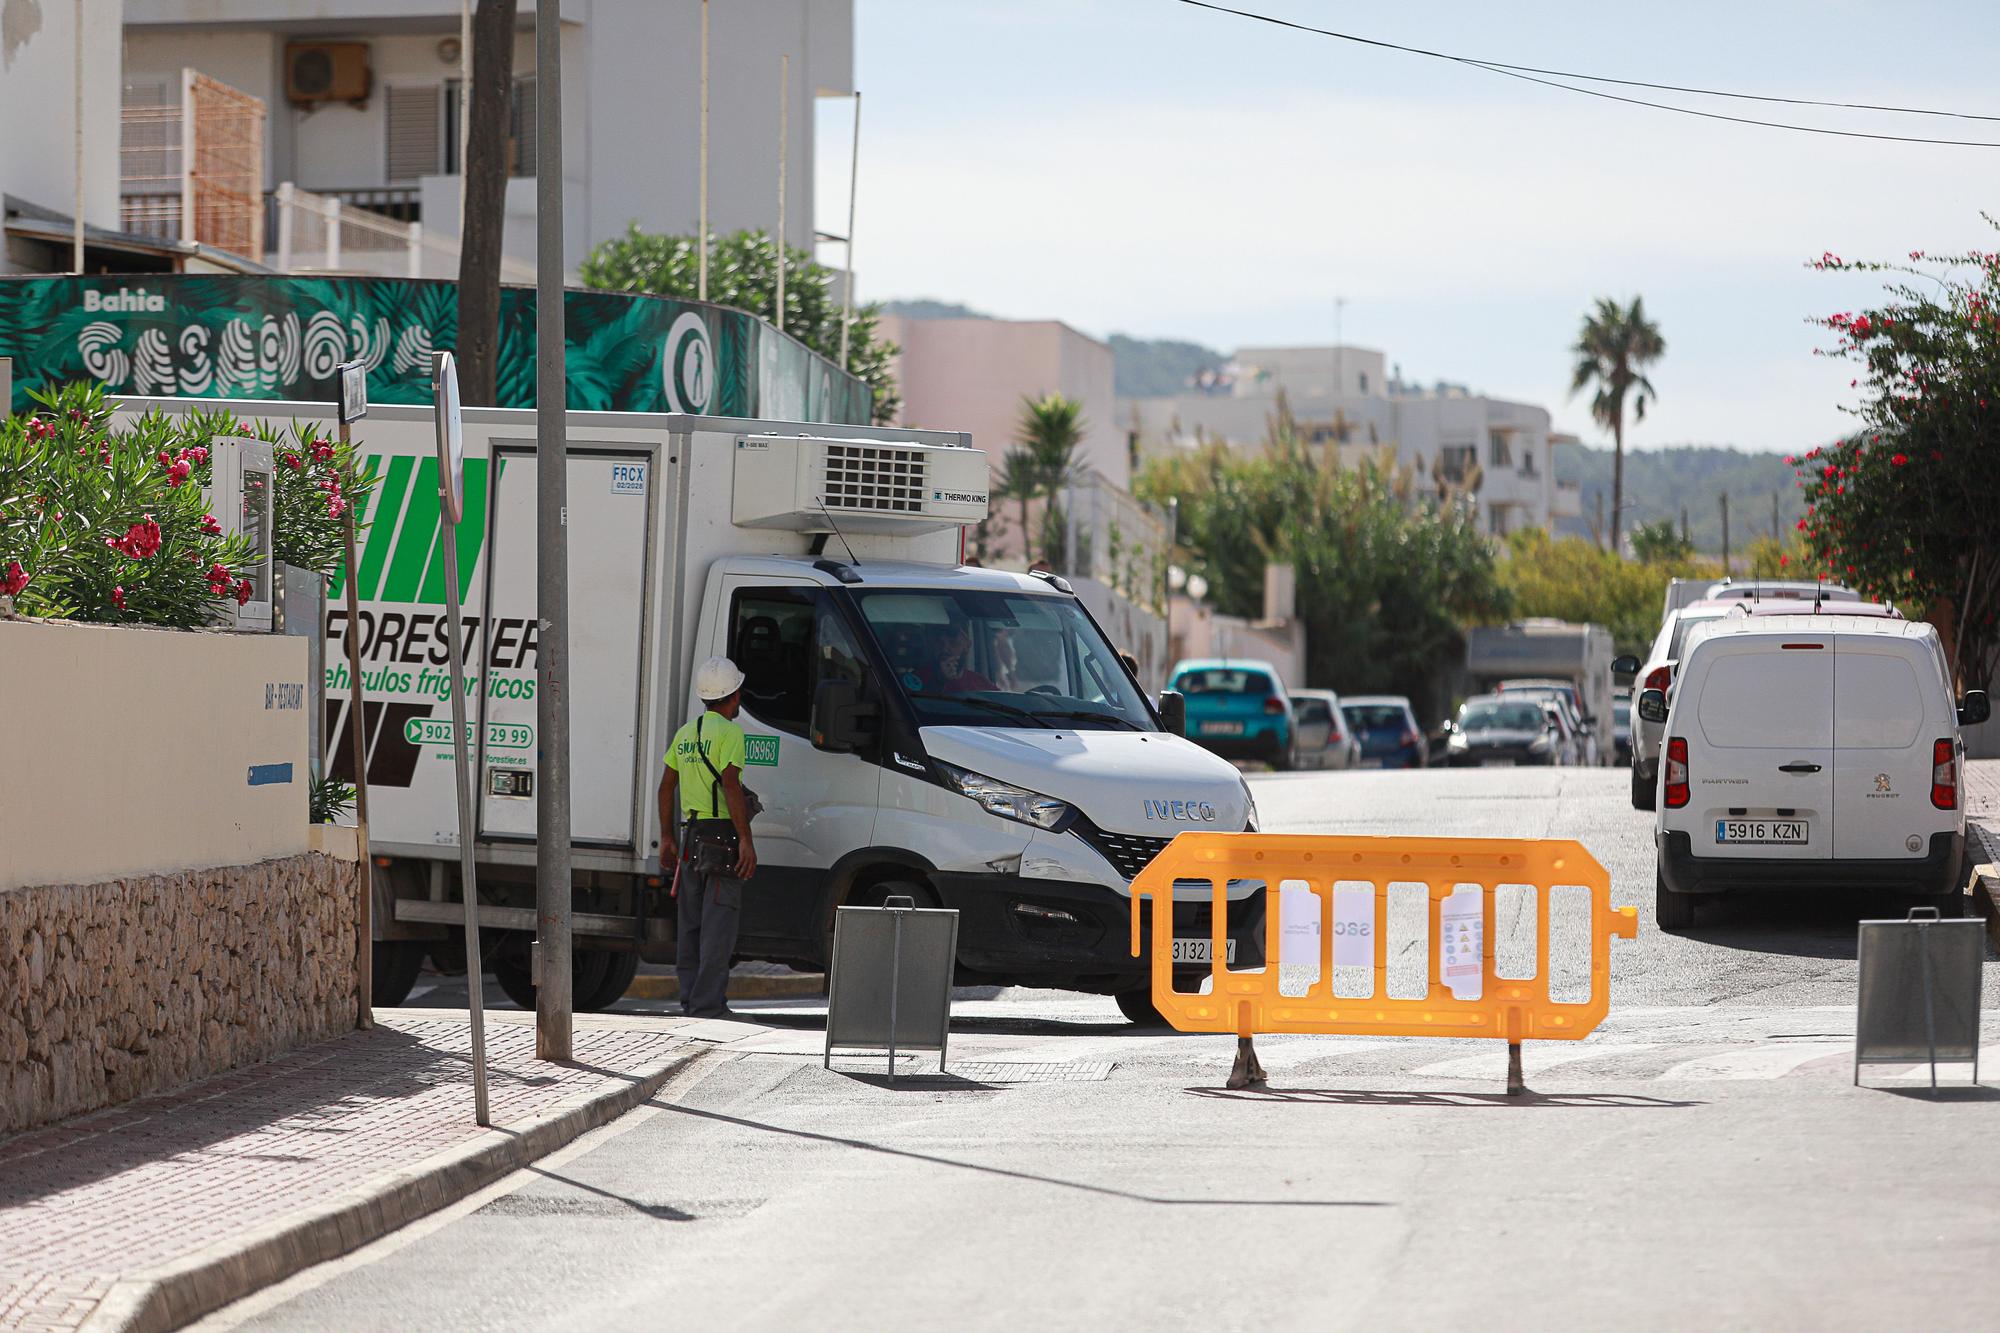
[(1673, 911), (587, 969), (1137, 1006), (396, 965), (1644, 795), (621, 965)]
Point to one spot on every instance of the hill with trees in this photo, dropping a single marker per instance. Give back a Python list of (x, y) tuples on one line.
[(1659, 483)]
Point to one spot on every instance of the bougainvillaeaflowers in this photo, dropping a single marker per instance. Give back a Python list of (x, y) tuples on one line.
[(1902, 507)]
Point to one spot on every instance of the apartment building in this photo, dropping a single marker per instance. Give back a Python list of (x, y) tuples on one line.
[(361, 104), (1495, 451)]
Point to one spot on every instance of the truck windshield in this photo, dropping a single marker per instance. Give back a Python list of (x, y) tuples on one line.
[(1002, 659)]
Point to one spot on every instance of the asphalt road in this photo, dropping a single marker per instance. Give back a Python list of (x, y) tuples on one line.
[(1702, 1160)]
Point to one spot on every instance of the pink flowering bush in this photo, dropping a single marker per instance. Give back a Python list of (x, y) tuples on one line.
[(1903, 507), (113, 525)]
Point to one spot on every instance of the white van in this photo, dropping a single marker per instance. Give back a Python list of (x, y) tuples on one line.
[(1810, 752)]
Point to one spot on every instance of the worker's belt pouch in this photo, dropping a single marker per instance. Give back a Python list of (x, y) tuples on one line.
[(715, 846)]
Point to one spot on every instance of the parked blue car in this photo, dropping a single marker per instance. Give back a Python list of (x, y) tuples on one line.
[(1238, 709), (1387, 729)]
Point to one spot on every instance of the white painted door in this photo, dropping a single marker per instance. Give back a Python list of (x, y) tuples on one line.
[(1885, 731), (1760, 748), (607, 573)]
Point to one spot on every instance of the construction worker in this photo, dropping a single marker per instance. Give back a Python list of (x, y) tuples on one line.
[(705, 813)]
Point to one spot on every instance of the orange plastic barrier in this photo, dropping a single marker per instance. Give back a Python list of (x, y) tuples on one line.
[(1249, 1002)]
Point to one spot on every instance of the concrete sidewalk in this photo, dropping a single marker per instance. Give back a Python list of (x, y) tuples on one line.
[(150, 1214)]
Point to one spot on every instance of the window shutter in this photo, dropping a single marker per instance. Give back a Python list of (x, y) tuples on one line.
[(416, 132)]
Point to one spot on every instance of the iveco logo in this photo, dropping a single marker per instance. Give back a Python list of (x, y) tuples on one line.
[(1181, 812)]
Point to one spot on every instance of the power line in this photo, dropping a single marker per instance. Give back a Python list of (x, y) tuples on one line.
[(1529, 73)]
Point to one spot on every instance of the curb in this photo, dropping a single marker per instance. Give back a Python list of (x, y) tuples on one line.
[(179, 1293), (798, 985), (1985, 887)]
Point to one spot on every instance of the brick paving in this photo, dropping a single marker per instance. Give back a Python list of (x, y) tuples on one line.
[(125, 1190)]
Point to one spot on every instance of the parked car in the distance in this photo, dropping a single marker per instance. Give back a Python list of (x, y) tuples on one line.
[(1579, 731), (1238, 709), (1387, 730), (1781, 590), (1656, 672), (1494, 730), (1810, 752), (1325, 739)]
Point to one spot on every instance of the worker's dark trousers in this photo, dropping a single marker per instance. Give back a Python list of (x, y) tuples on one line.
[(711, 908)]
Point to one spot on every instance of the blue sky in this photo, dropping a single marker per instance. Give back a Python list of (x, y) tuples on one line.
[(1145, 167)]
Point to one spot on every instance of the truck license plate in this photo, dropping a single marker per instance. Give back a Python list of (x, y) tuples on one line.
[(1200, 951), (1778, 831), (1222, 728)]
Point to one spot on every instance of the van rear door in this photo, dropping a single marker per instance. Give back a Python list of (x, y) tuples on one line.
[(1760, 741), (1885, 727)]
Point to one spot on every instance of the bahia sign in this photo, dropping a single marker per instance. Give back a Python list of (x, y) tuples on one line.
[(226, 335)]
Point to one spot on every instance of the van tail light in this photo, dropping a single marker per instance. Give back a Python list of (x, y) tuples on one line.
[(1677, 773), (1274, 706), (1944, 774), (1658, 678)]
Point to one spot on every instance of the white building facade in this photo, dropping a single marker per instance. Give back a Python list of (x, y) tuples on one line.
[(631, 105), (1495, 451)]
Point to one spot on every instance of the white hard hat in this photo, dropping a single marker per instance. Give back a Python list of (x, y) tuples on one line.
[(717, 678)]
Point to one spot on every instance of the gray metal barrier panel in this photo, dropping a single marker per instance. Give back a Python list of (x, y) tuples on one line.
[(1919, 997), (889, 987)]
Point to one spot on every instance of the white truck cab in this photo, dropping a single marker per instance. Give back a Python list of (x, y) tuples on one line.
[(967, 736), (1809, 752)]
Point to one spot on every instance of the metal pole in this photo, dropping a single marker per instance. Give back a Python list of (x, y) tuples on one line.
[(784, 123), (552, 824), (1725, 534), (853, 183), (364, 919), (76, 228), (896, 986), (701, 242), (475, 968), (464, 107)]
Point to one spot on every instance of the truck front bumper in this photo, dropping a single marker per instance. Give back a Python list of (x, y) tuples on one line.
[(1069, 935), (1939, 870)]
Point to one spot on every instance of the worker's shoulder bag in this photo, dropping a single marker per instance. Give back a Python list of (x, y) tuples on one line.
[(714, 840)]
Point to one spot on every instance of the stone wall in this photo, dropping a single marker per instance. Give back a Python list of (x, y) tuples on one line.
[(114, 990)]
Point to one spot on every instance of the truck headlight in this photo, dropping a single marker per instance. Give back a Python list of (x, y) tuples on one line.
[(1004, 798)]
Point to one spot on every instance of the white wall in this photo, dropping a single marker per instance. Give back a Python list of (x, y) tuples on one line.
[(38, 99), (137, 755)]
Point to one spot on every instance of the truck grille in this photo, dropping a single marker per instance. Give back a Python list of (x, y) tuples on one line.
[(874, 479), (1128, 853)]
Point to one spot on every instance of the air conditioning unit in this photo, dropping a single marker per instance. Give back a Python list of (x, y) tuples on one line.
[(806, 484), (317, 72)]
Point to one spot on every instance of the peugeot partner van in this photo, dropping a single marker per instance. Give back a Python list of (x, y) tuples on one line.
[(1810, 752)]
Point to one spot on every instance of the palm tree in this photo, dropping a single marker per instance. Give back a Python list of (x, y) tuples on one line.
[(1049, 434), (1612, 352), (1021, 480)]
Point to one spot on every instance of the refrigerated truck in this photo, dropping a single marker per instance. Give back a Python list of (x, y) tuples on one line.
[(1025, 789)]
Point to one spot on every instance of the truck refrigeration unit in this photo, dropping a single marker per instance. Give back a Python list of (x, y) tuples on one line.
[(965, 736)]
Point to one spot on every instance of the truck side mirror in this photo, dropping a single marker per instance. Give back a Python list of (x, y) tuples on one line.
[(1627, 665), (841, 718), (1652, 705), (1173, 712), (1973, 708)]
